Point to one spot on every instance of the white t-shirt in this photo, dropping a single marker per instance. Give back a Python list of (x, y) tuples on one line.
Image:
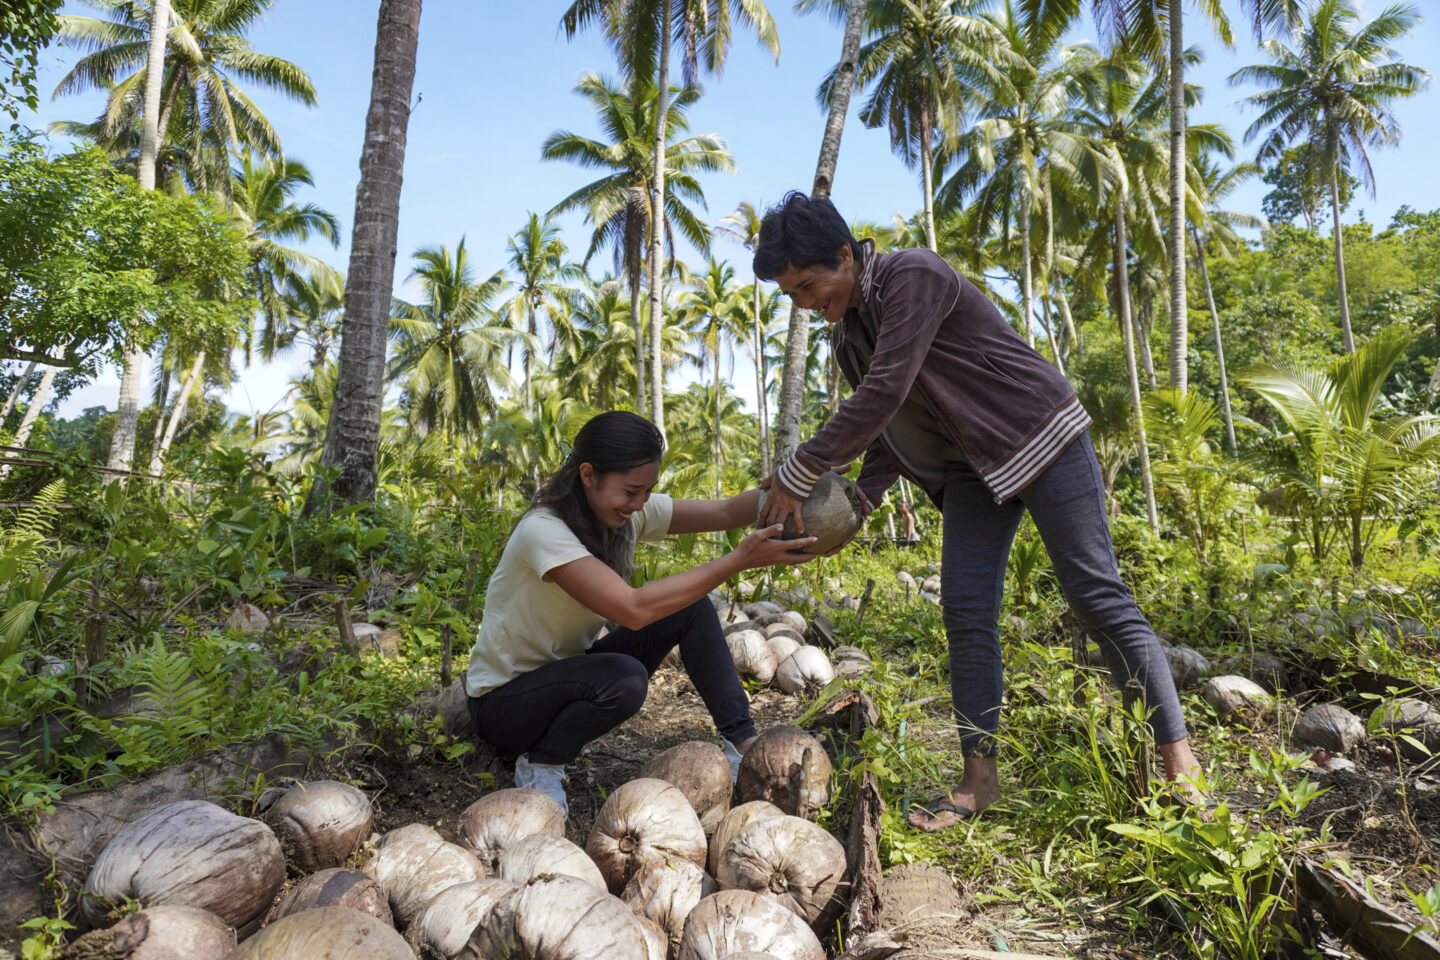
[(530, 621)]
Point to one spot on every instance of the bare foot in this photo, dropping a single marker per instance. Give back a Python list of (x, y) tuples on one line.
[(1185, 774), (979, 787)]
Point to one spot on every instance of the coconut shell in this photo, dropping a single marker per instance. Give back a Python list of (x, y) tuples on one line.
[(782, 646), (335, 887), (414, 872), (542, 854), (702, 773), (411, 831), (443, 928), (665, 891), (793, 860), (498, 819), (331, 933), (558, 918), (805, 671), (191, 853), (787, 767), (751, 654), (784, 628), (642, 820), (321, 823), (170, 932), (733, 821), (657, 944), (833, 513), (738, 921)]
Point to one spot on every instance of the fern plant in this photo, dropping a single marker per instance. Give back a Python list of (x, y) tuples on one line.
[(27, 585)]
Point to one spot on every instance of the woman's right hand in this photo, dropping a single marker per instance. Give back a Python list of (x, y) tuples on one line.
[(764, 548)]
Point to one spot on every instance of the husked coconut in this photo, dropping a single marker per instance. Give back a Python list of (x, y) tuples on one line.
[(413, 872), (644, 819), (541, 854), (751, 654), (797, 621), (790, 859), (782, 646), (806, 671), (331, 933), (411, 831), (1235, 696), (657, 944), (763, 608), (789, 768), (443, 928), (832, 513), (335, 887), (738, 921), (665, 891), (192, 853), (321, 823), (702, 773), (733, 821), (849, 653), (739, 625), (498, 819), (558, 918), (171, 932), (784, 628)]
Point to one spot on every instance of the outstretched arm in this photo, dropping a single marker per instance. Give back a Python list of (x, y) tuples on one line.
[(706, 516)]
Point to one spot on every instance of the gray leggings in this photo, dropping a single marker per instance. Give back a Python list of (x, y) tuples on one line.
[(1067, 503)]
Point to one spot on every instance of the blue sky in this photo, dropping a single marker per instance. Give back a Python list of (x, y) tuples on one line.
[(495, 78)]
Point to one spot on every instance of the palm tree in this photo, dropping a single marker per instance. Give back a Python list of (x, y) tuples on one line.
[(537, 257), (617, 204), (642, 33), (594, 349), (352, 439), (743, 226), (716, 307), (448, 347), (1334, 91)]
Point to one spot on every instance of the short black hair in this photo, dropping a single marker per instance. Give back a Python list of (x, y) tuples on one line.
[(800, 232)]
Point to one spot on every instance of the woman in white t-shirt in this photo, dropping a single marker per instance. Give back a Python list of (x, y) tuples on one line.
[(540, 685)]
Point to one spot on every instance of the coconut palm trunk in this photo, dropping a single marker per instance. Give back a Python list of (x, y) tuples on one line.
[(1219, 348), (352, 439), (32, 412), (25, 378), (529, 358), (792, 378), (127, 411), (1072, 335), (633, 269), (162, 399), (1045, 321), (719, 451), (1179, 329), (1122, 304), (760, 401), (1340, 257), (927, 175), (182, 403), (657, 226), (1027, 301)]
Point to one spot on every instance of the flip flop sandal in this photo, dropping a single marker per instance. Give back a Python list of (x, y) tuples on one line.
[(943, 804)]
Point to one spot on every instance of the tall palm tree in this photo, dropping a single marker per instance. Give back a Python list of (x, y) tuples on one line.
[(352, 440), (537, 258), (643, 33), (1334, 90), (617, 204), (594, 349), (743, 226), (715, 305), (449, 346)]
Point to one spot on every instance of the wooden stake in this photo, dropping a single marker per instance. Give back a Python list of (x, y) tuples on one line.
[(347, 629), (95, 629), (864, 602), (446, 655)]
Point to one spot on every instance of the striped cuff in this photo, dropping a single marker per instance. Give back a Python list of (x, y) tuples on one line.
[(794, 476), (1027, 463)]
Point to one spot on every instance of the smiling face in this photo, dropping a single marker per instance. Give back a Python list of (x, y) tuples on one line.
[(828, 291), (614, 496)]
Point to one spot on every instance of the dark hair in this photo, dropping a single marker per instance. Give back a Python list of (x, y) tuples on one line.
[(612, 442), (801, 232)]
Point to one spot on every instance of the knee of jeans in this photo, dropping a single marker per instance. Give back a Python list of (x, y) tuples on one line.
[(967, 616), (626, 693)]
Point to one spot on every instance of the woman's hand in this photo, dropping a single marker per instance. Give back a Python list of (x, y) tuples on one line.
[(764, 548), (867, 508)]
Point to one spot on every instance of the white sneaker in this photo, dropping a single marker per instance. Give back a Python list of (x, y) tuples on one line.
[(733, 756), (549, 779)]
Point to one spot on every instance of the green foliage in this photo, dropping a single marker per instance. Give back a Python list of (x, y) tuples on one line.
[(26, 27), (1194, 481)]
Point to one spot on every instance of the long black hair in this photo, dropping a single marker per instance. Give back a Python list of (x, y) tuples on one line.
[(612, 442)]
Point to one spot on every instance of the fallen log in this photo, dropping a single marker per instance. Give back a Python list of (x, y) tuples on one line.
[(1370, 927)]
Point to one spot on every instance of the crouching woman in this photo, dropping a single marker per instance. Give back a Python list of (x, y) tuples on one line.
[(540, 684)]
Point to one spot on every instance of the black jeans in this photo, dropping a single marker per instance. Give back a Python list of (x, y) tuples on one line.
[(553, 711), (1067, 503)]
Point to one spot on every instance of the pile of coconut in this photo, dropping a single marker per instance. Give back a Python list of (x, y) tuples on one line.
[(767, 642), (670, 870)]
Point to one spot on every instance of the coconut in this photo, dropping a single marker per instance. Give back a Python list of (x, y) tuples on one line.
[(411, 831), (790, 859), (796, 620), (334, 933), (414, 872), (558, 918), (806, 671), (643, 820), (702, 773), (335, 887), (443, 928), (665, 891), (1235, 696), (738, 921), (733, 821), (657, 944), (542, 854), (787, 767), (172, 932), (751, 654), (784, 628), (832, 512), (782, 646), (743, 624), (498, 819), (320, 824), (191, 853), (763, 608)]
